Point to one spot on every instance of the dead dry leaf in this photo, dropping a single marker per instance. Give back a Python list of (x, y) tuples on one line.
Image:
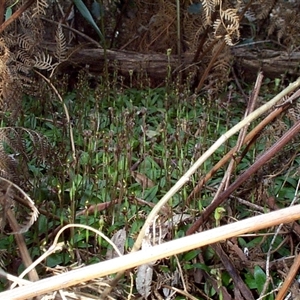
[(119, 239), (143, 180)]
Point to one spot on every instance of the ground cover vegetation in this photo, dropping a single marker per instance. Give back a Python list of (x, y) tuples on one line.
[(101, 144)]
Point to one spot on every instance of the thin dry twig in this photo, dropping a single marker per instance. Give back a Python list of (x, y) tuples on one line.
[(12, 278), (54, 246), (33, 275), (88, 38), (17, 230), (288, 280), (234, 274), (248, 140), (241, 138)]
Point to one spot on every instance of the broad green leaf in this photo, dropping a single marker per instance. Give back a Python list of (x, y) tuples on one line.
[(84, 158), (260, 278), (151, 193), (250, 281), (57, 259), (191, 254), (87, 15)]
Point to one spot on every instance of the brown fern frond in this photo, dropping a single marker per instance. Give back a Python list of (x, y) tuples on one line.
[(227, 26), (218, 26), (40, 8), (219, 74), (162, 32), (29, 145), (61, 45), (263, 8), (10, 39), (3, 255), (9, 92), (193, 26), (209, 7), (25, 58), (44, 62), (18, 71), (11, 193), (16, 140), (26, 42), (285, 23), (9, 167), (10, 139)]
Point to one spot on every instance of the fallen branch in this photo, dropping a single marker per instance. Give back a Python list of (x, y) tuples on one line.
[(64, 280)]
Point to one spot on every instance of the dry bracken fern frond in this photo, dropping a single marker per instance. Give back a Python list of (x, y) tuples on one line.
[(29, 145), (19, 69), (17, 140), (44, 62), (11, 193), (40, 8), (209, 8), (9, 91), (25, 42), (263, 8), (61, 45), (3, 255), (227, 26), (25, 58)]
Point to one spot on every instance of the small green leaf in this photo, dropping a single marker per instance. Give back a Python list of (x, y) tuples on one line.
[(8, 13), (209, 253), (226, 278), (97, 10), (187, 266), (195, 8)]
